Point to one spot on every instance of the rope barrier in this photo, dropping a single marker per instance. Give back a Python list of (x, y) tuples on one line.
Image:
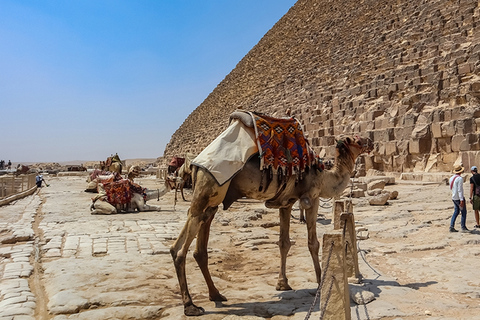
[(329, 293), (322, 281)]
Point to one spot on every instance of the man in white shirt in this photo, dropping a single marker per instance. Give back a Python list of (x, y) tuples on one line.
[(456, 185)]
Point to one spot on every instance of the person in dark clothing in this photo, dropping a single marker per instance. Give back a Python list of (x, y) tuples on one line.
[(475, 193)]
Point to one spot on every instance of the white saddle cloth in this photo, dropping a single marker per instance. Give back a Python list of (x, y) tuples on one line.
[(229, 152)]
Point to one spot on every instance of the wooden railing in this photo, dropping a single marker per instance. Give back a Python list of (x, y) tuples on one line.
[(15, 185)]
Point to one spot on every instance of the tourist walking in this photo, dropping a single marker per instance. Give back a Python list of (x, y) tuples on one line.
[(458, 198), (475, 193)]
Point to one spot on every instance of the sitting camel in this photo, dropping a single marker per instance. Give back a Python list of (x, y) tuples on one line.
[(281, 192), (111, 198), (99, 176)]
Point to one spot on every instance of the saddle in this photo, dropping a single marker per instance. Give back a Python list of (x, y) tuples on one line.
[(121, 192)]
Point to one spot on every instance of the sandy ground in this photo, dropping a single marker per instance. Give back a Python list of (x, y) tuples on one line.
[(413, 266)]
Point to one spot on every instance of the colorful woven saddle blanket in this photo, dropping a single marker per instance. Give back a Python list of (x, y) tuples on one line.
[(121, 192), (279, 142), (282, 145)]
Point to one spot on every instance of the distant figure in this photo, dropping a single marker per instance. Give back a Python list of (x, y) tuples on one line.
[(9, 165), (475, 193), (2, 164), (39, 180), (456, 185)]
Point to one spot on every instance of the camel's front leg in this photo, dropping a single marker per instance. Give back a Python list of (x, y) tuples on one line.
[(201, 256), (313, 244), (284, 244), (179, 252)]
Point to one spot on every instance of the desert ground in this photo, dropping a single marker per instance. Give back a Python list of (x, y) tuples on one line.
[(57, 261)]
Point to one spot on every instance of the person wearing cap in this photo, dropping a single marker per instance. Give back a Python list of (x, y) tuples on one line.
[(475, 193), (456, 185)]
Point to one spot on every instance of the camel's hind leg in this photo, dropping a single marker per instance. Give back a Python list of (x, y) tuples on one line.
[(201, 256), (284, 244), (313, 244)]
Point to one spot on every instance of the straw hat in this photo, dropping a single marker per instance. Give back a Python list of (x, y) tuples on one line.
[(458, 169)]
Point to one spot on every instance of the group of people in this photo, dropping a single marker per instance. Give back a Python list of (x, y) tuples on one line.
[(4, 166), (458, 197)]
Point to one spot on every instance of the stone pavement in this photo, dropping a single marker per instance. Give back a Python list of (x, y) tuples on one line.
[(54, 228), (59, 262)]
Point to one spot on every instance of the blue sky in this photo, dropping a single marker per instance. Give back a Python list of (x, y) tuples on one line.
[(80, 80)]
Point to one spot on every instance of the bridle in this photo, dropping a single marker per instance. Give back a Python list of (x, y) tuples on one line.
[(361, 146), (171, 183)]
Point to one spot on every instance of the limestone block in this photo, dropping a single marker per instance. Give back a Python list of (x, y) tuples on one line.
[(390, 148), (465, 145), (355, 193), (379, 200), (403, 146), (421, 146), (421, 130), (448, 129), (450, 158), (369, 162), (393, 195), (361, 186), (376, 184), (464, 68), (398, 133), (457, 142), (360, 295), (436, 130), (438, 116), (444, 145), (374, 192)]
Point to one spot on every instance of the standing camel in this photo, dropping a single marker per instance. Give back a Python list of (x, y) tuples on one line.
[(278, 193)]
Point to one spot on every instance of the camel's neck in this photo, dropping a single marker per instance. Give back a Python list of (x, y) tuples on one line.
[(337, 179), (156, 193)]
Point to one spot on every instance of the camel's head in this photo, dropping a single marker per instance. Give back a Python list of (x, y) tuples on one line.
[(134, 172), (354, 146)]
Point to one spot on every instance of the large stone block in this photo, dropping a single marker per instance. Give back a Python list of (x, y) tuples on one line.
[(420, 146), (436, 130), (457, 141), (448, 129), (444, 145), (390, 148)]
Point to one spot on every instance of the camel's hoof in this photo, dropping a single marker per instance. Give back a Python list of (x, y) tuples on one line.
[(218, 297), (193, 310), (283, 286)]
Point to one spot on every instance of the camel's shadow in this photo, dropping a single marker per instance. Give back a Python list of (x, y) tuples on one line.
[(298, 301), (375, 285), (289, 303)]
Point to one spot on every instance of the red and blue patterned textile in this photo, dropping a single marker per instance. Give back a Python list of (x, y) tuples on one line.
[(120, 192), (282, 145)]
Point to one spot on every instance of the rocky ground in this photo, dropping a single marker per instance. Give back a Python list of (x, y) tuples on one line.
[(57, 261)]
